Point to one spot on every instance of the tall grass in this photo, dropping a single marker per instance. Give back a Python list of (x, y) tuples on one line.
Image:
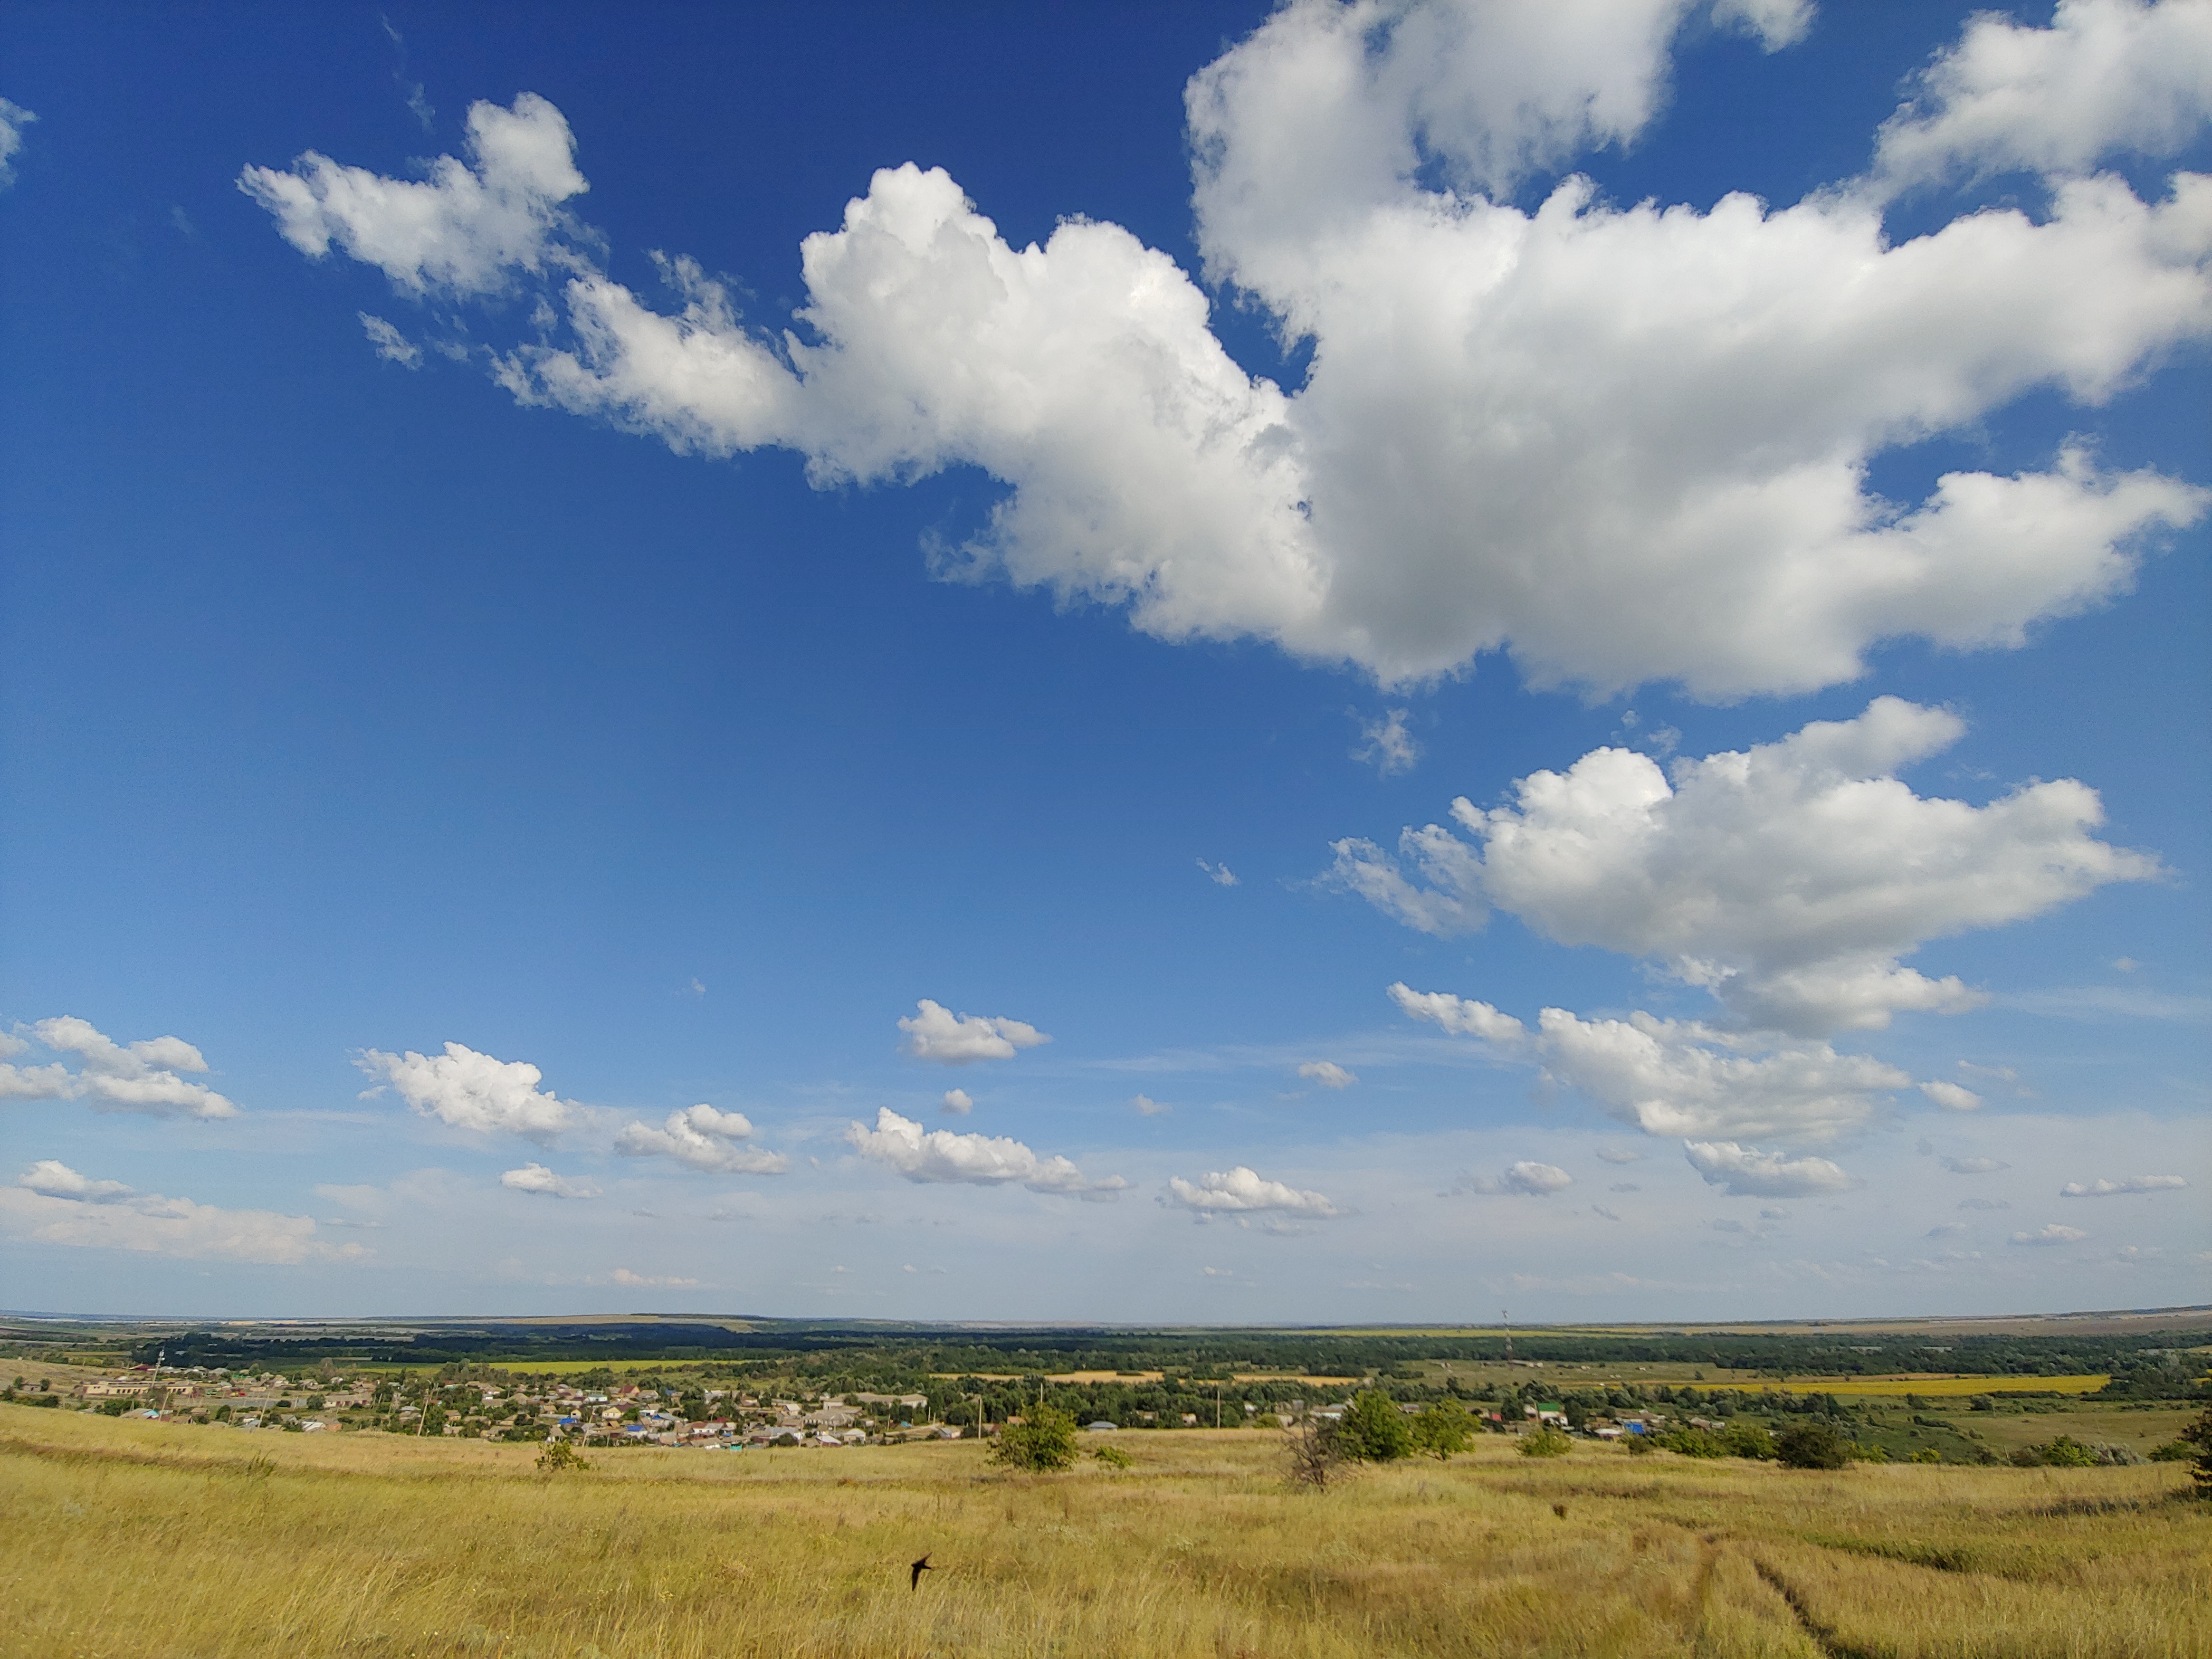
[(135, 1538)]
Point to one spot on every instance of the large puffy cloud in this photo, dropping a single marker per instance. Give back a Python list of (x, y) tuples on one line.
[(1671, 1077), (466, 229), (1789, 879), (1623, 444), (1242, 1191), (53, 1204), (471, 1091), (935, 1032), (1747, 1172), (703, 1138), (145, 1076), (2106, 75), (940, 1155)]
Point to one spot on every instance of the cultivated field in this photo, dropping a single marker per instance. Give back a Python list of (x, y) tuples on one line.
[(141, 1539)]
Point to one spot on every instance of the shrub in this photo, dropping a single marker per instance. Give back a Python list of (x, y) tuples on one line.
[(559, 1455), (1112, 1457), (2173, 1451), (1546, 1443), (1694, 1443), (1812, 1446), (1046, 1441), (1749, 1440), (1926, 1455), (1375, 1430), (1640, 1445)]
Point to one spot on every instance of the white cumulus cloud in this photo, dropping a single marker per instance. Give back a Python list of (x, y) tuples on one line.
[(1528, 1178), (13, 117), (1747, 1171), (145, 1076), (1951, 1096), (537, 1178), (1243, 1191), (52, 1204), (1147, 1107), (1219, 874), (471, 1091), (1328, 1074), (957, 1103), (935, 1032), (2117, 1189), (1670, 1076), (2106, 76), (1622, 443), (940, 1155), (701, 1137), (2050, 1234), (465, 229), (1975, 1165), (1789, 879)]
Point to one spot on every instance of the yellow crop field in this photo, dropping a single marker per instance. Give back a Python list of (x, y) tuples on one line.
[(134, 1540)]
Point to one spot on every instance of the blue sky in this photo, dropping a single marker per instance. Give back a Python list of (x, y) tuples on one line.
[(478, 574)]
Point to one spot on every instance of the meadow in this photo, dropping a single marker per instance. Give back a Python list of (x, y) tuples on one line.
[(131, 1538)]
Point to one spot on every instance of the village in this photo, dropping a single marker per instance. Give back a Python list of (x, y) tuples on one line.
[(530, 1409)]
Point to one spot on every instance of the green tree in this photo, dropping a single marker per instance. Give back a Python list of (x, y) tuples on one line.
[(2199, 1435), (1045, 1441), (1815, 1445), (1375, 1430), (1442, 1429)]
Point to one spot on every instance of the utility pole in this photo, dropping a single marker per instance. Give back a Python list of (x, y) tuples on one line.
[(1507, 1316), (1217, 1405)]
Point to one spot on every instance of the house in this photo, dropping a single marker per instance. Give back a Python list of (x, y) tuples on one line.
[(1550, 1416)]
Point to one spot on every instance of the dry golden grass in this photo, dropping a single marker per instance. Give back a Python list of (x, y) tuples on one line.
[(135, 1538)]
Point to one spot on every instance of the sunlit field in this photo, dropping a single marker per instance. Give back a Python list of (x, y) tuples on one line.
[(134, 1538)]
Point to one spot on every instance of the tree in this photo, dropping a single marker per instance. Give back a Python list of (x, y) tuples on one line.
[(1313, 1447), (1442, 1429), (1814, 1445), (1046, 1441), (2199, 1435), (1375, 1430)]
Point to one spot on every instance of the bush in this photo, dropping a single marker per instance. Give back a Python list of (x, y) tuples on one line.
[(1112, 1457), (1045, 1442), (1375, 1430), (1749, 1440), (1926, 1455), (2173, 1451), (1640, 1445), (1546, 1443), (1694, 1443), (2063, 1453), (559, 1455), (1812, 1446)]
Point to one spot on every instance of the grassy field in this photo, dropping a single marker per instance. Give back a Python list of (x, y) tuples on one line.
[(139, 1538)]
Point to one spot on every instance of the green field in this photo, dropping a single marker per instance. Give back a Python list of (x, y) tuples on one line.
[(142, 1538)]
